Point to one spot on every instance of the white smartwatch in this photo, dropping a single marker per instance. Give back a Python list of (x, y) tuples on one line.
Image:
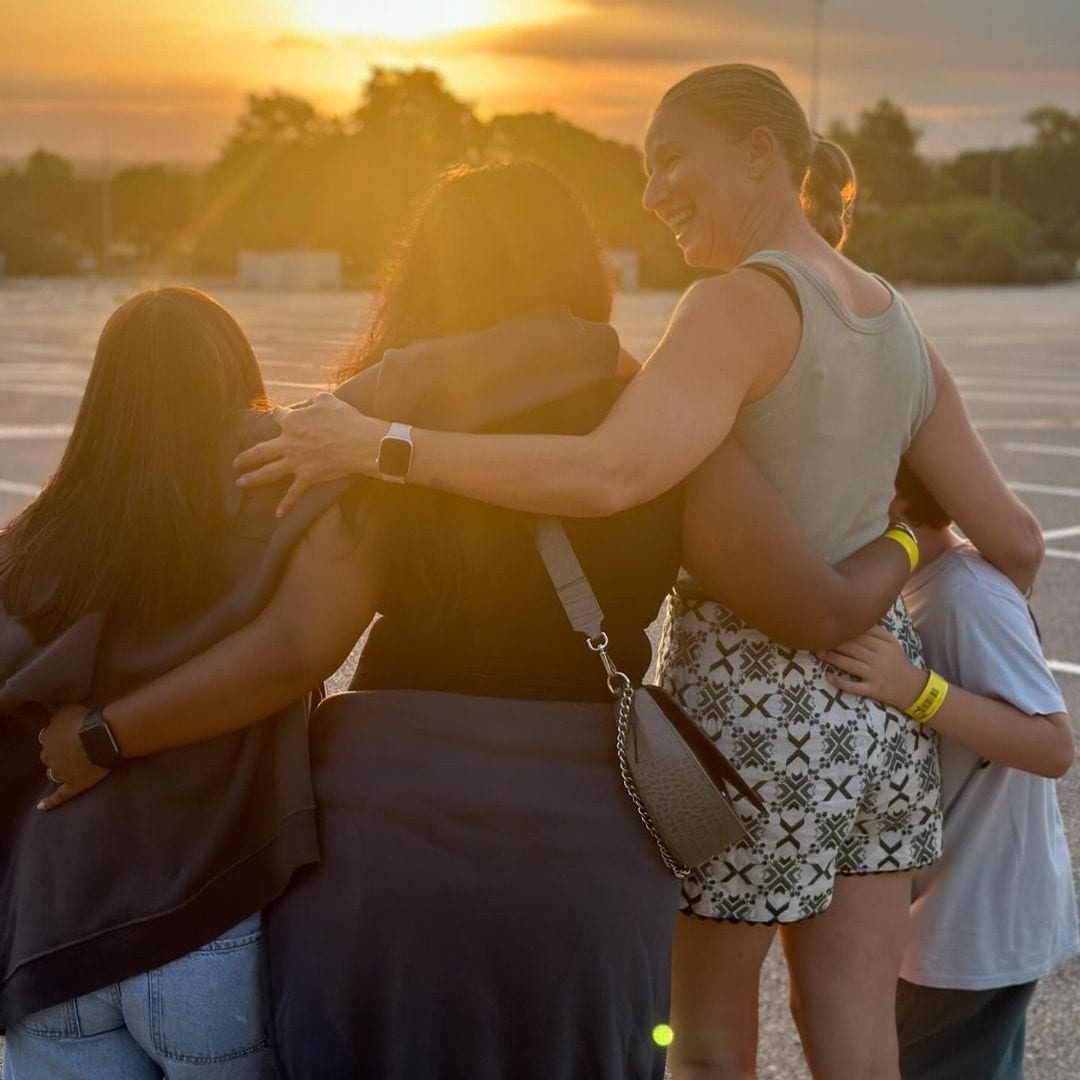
[(395, 454)]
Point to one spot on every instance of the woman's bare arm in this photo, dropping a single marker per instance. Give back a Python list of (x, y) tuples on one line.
[(325, 600), (730, 338), (950, 459), (744, 548)]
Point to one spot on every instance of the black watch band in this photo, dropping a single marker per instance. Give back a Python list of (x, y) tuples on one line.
[(99, 742)]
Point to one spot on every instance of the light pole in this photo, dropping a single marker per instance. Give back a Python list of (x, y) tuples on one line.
[(815, 63), (106, 207)]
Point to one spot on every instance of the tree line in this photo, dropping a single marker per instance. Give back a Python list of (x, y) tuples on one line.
[(291, 177)]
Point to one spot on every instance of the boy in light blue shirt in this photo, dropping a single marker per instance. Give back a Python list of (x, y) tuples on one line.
[(998, 911)]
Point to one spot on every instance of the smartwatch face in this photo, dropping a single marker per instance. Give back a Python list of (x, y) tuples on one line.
[(98, 743), (395, 456)]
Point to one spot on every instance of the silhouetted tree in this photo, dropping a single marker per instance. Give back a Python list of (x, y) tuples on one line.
[(882, 146), (290, 176)]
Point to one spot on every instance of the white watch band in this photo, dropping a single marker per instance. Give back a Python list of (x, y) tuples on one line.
[(398, 433)]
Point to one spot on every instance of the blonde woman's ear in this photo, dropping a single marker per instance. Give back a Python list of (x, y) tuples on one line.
[(760, 151)]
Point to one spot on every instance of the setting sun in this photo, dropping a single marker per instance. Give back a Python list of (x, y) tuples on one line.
[(397, 18)]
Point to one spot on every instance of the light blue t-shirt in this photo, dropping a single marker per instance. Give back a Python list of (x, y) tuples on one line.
[(999, 907)]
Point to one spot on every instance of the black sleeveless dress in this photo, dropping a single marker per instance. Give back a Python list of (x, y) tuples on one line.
[(489, 906)]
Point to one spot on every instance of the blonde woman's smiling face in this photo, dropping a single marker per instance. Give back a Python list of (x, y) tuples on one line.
[(699, 185)]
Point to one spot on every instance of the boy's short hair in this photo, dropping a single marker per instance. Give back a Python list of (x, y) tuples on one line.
[(922, 508)]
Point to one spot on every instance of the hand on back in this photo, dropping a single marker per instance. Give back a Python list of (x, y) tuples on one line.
[(875, 665), (64, 758)]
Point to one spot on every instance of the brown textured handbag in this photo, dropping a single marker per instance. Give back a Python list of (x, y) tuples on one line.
[(678, 780)]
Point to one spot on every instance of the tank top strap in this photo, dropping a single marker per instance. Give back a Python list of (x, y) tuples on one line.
[(815, 292), (795, 281)]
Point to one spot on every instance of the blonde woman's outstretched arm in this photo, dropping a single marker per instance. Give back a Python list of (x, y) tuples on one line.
[(731, 338)]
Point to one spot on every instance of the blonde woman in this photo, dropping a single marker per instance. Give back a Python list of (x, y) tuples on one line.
[(820, 370)]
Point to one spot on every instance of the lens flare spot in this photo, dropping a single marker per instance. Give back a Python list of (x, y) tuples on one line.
[(663, 1035)]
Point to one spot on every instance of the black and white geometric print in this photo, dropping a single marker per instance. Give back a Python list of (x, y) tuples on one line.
[(850, 786)]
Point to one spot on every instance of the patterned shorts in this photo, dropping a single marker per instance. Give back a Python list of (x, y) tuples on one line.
[(850, 786)]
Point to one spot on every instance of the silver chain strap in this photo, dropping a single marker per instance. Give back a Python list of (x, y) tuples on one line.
[(622, 689)]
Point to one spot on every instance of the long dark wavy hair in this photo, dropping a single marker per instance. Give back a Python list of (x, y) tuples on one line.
[(127, 523), (487, 244)]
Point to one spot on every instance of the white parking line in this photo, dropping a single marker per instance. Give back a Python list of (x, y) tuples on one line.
[(13, 487), (43, 389), (1021, 399), (1045, 489), (1041, 448), (1063, 553), (35, 431), (1014, 423), (983, 371), (31, 371), (1013, 340), (1020, 382), (1062, 534), (1066, 667)]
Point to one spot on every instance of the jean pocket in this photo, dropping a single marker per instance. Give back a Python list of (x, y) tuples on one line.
[(56, 1022), (211, 1005)]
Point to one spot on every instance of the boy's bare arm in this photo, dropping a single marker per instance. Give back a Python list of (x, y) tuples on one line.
[(875, 666)]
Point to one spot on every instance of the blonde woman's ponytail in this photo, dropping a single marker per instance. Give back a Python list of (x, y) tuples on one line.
[(828, 191)]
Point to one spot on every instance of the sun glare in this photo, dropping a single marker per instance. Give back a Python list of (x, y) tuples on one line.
[(404, 19)]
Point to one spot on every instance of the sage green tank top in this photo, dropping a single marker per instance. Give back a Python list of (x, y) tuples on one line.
[(831, 433)]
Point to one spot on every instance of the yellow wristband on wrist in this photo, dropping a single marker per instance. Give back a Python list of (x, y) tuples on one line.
[(926, 705), (907, 543)]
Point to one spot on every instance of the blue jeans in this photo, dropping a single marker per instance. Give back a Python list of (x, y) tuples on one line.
[(962, 1034), (202, 1017)]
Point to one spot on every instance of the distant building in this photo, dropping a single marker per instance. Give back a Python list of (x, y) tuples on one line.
[(626, 265), (290, 271)]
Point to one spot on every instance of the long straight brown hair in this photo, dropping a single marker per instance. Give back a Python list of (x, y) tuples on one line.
[(127, 523)]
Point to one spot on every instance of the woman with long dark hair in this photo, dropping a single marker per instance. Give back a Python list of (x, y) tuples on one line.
[(130, 937), (466, 793)]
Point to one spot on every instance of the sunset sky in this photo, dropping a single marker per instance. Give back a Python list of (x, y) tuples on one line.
[(165, 79)]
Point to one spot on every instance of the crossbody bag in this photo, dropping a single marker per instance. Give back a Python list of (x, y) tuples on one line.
[(677, 778)]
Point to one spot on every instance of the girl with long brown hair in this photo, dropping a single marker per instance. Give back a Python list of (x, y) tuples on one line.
[(130, 931)]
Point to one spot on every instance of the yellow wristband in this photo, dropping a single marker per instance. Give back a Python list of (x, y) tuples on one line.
[(905, 541), (926, 705)]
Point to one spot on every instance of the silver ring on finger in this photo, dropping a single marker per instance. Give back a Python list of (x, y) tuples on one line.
[(53, 778)]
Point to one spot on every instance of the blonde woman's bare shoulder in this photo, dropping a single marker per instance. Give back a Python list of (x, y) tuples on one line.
[(742, 293), (742, 307)]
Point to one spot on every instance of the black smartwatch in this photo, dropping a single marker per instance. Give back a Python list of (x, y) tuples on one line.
[(99, 742), (395, 453)]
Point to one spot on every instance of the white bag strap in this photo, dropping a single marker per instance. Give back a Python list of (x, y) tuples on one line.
[(567, 575), (576, 595)]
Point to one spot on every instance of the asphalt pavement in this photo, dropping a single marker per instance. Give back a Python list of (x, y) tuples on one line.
[(1014, 351)]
